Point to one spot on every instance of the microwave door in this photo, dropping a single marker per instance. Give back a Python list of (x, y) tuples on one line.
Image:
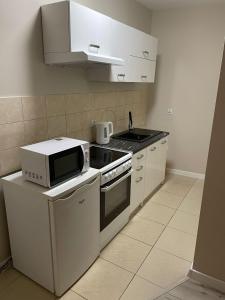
[(66, 164)]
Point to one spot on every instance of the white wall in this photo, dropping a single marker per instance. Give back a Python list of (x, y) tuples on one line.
[(190, 53)]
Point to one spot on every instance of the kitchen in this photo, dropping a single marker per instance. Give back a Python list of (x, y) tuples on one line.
[(41, 102)]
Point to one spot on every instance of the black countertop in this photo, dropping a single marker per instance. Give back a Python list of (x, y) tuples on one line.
[(134, 146)]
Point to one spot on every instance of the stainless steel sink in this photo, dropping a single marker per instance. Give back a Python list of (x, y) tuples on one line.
[(137, 135)]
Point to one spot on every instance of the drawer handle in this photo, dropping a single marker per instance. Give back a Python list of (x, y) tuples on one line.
[(81, 201), (163, 142), (140, 156), (153, 149), (139, 179), (146, 53), (140, 168), (94, 48)]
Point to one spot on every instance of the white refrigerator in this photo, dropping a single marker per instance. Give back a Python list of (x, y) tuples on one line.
[(54, 233)]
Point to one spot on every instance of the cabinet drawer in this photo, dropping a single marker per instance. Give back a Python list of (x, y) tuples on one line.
[(137, 189), (139, 159)]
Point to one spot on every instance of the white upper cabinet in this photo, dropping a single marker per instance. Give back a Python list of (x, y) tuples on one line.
[(134, 70), (74, 33), (144, 45)]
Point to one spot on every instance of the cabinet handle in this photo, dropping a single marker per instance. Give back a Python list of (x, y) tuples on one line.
[(121, 76), (81, 201), (163, 142), (140, 168), (140, 156), (139, 179), (144, 77), (153, 149), (146, 53), (94, 46)]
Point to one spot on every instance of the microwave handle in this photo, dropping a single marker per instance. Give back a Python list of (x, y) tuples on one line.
[(81, 189), (110, 187)]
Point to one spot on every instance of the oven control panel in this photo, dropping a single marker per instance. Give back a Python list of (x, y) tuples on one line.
[(112, 174)]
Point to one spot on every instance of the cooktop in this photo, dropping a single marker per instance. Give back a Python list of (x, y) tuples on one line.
[(101, 157)]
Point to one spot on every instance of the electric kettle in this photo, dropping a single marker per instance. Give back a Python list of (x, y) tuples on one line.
[(104, 130)]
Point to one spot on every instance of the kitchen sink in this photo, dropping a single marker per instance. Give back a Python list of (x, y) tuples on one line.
[(136, 135)]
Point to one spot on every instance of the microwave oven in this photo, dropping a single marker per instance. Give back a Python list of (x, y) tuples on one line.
[(54, 161)]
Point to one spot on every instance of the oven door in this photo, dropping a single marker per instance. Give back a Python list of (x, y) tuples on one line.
[(65, 164), (115, 197)]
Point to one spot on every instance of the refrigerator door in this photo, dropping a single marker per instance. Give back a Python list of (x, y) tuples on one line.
[(75, 226)]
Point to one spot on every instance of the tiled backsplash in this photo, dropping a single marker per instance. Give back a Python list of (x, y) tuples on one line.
[(25, 120)]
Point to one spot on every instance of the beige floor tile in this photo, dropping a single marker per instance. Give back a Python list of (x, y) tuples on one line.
[(140, 289), (24, 289), (178, 243), (7, 277), (126, 252), (180, 179), (143, 230), (192, 290), (178, 185), (156, 212), (71, 295), (193, 200), (185, 222), (103, 281), (163, 269), (168, 297), (167, 199)]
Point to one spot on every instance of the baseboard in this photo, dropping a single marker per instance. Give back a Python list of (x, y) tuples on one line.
[(2, 263), (208, 281), (186, 173)]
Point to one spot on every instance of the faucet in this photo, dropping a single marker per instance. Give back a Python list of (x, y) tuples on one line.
[(130, 124)]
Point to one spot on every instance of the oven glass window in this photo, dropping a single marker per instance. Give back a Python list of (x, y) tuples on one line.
[(114, 201), (115, 197)]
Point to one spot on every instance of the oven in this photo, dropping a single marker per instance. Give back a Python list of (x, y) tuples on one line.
[(114, 198)]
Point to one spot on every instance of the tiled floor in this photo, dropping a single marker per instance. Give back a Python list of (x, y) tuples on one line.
[(191, 290), (149, 257)]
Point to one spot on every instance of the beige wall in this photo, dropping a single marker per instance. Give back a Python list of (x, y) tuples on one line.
[(210, 249), (190, 51), (23, 73), (21, 53)]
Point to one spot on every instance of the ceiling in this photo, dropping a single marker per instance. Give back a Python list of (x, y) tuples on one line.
[(167, 4)]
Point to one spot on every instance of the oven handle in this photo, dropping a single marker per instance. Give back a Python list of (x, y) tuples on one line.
[(110, 187)]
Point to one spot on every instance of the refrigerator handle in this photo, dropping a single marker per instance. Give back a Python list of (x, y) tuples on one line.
[(81, 189)]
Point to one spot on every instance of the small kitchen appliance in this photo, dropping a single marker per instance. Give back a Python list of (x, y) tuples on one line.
[(54, 161), (104, 130)]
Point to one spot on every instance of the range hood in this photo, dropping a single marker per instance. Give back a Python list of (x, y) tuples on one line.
[(80, 57)]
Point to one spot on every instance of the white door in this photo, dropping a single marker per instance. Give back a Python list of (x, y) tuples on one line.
[(75, 225)]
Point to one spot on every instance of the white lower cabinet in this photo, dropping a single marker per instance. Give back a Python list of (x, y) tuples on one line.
[(149, 167), (155, 166), (138, 179)]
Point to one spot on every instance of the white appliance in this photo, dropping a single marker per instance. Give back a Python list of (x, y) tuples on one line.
[(54, 233), (54, 161), (104, 130), (115, 169)]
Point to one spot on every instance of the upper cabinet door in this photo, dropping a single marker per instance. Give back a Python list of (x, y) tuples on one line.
[(85, 27), (144, 45)]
